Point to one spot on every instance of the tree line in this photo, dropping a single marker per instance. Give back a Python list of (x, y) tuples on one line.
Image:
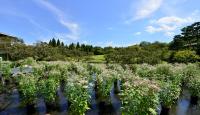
[(184, 48)]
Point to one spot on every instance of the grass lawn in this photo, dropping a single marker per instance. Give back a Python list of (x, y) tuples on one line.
[(95, 59)]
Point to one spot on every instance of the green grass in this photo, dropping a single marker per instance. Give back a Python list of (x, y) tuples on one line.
[(95, 59)]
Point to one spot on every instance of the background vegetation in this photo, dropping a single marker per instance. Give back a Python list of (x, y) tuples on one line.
[(184, 48)]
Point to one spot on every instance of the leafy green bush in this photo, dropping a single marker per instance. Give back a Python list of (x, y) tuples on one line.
[(5, 69), (76, 91), (185, 56), (104, 84), (145, 70), (27, 61), (168, 73), (27, 87), (169, 94), (191, 76), (1, 88), (78, 68), (47, 88), (194, 86), (139, 96), (168, 79)]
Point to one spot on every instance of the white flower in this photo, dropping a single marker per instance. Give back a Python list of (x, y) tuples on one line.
[(85, 87)]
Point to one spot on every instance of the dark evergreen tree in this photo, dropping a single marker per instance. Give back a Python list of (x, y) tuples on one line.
[(50, 43), (62, 44), (188, 39), (58, 43), (77, 45), (98, 51), (83, 47), (198, 49), (53, 42), (177, 43), (72, 46)]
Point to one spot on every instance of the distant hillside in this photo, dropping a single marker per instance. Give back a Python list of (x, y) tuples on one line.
[(6, 41), (5, 38)]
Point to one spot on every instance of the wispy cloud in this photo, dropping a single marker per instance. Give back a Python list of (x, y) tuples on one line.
[(36, 24), (137, 33), (73, 27), (144, 9), (173, 20), (19, 14), (169, 24)]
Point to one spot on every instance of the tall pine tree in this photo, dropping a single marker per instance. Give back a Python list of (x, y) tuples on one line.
[(77, 45), (72, 46), (58, 43), (53, 42), (62, 44), (50, 43)]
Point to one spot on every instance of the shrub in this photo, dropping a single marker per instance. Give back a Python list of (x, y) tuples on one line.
[(169, 94), (139, 96), (76, 91), (27, 87), (185, 56), (191, 76)]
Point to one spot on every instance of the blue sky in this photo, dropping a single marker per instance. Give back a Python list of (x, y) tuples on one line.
[(97, 22)]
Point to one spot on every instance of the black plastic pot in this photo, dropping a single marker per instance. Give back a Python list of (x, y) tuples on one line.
[(16, 84), (7, 82), (116, 89), (194, 100), (62, 85), (30, 109), (105, 109), (96, 89), (164, 111), (52, 107)]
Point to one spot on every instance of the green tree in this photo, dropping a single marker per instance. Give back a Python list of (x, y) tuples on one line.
[(20, 51), (50, 43), (98, 51), (188, 39), (54, 42), (72, 46), (62, 44), (83, 47), (58, 43), (77, 45), (185, 56)]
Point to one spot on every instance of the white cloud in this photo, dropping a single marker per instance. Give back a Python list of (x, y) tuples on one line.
[(160, 28), (174, 20), (144, 9), (73, 27), (168, 27), (85, 42), (137, 33), (20, 14), (33, 22), (51, 7), (147, 8), (169, 34), (169, 24), (152, 29)]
